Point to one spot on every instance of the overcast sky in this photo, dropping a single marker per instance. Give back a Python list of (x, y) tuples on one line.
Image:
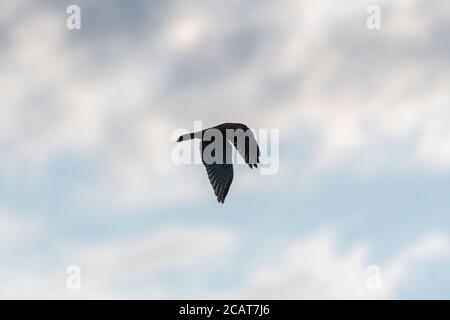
[(86, 176)]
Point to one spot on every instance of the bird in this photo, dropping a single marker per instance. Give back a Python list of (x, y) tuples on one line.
[(217, 158)]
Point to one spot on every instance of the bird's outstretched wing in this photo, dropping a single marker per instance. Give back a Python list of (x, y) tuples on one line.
[(245, 143), (220, 176), (220, 171)]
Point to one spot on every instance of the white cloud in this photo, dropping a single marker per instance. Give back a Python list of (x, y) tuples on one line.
[(140, 264), (186, 30), (174, 248), (314, 268), (355, 92), (15, 230), (311, 69), (10, 10), (430, 247)]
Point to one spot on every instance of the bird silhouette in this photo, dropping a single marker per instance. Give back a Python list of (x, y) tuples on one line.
[(216, 151)]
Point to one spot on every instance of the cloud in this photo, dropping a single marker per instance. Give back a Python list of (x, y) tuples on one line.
[(140, 267), (106, 98), (16, 230), (351, 92), (153, 254), (134, 267), (429, 248), (315, 268)]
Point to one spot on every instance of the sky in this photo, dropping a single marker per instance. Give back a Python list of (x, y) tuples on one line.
[(359, 208)]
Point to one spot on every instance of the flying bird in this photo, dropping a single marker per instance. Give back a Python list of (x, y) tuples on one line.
[(216, 151)]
